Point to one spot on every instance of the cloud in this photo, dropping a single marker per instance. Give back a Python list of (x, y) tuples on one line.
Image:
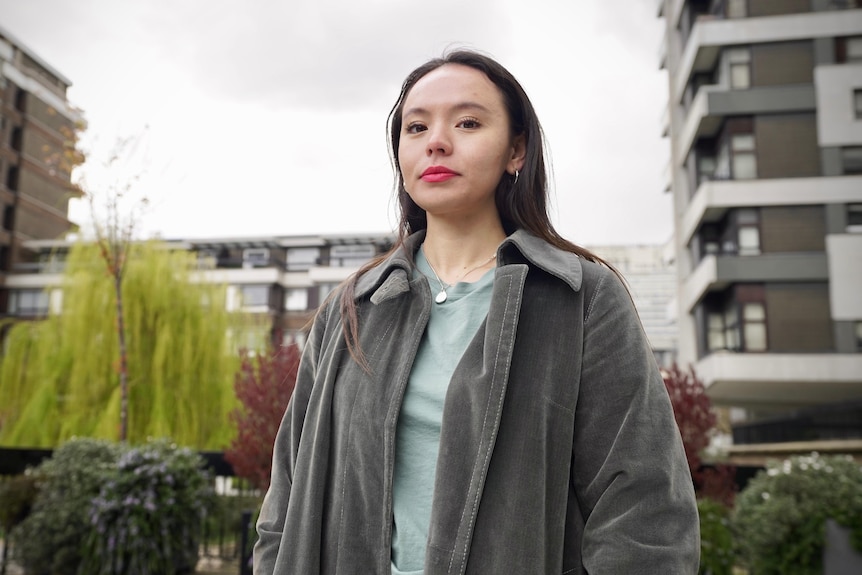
[(328, 53)]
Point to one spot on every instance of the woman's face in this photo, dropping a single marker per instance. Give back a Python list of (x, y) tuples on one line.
[(456, 142)]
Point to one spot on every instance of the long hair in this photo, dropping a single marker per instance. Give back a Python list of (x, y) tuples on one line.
[(522, 203)]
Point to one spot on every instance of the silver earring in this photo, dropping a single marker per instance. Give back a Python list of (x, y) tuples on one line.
[(517, 173)]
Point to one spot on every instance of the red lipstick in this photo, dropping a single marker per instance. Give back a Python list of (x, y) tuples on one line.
[(437, 174)]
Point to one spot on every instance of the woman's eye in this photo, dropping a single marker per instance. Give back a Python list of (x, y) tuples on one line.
[(415, 128), (469, 123)]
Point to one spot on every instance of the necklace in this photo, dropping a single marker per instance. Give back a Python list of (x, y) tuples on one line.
[(442, 295)]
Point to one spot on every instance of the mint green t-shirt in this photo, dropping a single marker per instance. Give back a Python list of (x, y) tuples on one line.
[(450, 328)]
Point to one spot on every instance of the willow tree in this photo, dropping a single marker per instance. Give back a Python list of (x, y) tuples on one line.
[(59, 376)]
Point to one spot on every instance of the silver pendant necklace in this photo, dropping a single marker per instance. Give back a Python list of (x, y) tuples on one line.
[(442, 296)]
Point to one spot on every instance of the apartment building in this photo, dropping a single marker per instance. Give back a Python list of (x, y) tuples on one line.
[(764, 120), (36, 133), (274, 283)]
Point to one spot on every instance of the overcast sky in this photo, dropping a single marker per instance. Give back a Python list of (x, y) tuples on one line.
[(261, 117)]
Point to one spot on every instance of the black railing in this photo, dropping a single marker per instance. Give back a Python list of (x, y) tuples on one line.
[(822, 423)]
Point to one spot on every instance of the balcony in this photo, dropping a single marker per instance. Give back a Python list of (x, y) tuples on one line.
[(780, 380), (715, 272), (713, 198), (709, 35), (713, 103)]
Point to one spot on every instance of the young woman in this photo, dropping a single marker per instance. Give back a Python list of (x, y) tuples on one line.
[(482, 399)]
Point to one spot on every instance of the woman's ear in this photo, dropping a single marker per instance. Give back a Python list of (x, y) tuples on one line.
[(519, 152)]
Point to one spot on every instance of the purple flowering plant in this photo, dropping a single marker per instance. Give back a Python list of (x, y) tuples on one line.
[(148, 513)]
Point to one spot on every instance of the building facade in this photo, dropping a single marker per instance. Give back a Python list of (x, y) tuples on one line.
[(37, 131), (274, 284), (764, 120)]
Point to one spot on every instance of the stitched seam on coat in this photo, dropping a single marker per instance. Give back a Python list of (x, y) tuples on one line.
[(569, 571), (484, 423), (595, 296)]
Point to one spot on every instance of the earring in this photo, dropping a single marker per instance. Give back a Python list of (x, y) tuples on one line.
[(517, 173)]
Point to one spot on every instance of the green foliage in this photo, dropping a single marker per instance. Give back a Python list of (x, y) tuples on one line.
[(17, 495), (716, 538), (59, 377), (49, 539), (106, 508), (780, 517), (147, 516)]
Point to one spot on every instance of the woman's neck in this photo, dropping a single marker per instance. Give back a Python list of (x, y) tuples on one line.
[(453, 250)]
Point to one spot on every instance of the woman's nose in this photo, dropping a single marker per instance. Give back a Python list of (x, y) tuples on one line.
[(439, 141)]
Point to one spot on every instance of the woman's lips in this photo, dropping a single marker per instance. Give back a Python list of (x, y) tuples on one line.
[(436, 174)]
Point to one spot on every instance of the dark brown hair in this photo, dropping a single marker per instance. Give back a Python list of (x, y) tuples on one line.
[(521, 203)]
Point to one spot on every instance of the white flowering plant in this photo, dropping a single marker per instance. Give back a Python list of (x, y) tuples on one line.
[(779, 518)]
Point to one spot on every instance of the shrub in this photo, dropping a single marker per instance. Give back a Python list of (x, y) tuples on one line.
[(148, 513), (49, 539), (17, 495), (780, 516), (716, 538)]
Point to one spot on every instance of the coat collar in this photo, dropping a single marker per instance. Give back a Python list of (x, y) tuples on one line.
[(392, 275)]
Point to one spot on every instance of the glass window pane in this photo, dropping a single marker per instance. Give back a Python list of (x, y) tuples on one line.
[(854, 48), (740, 76), (730, 317), (749, 241), (744, 166), (851, 160), (716, 340), (302, 258), (739, 55), (296, 299), (742, 142), (755, 337), (716, 321), (254, 295), (732, 336), (857, 103), (754, 312)]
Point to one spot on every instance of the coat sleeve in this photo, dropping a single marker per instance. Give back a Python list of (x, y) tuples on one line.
[(630, 473), (270, 524)]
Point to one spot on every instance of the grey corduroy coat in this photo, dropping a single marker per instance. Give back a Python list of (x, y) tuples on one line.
[(558, 450)]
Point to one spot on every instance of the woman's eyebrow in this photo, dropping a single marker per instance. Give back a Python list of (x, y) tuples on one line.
[(460, 107)]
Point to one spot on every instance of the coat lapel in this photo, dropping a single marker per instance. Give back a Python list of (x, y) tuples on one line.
[(471, 419)]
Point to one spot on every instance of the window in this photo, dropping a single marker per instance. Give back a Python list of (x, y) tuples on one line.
[(8, 217), (715, 327), (17, 138), (748, 232), (754, 326), (740, 68), (737, 8), (859, 336), (296, 299), (736, 320), (705, 169), (302, 258), (744, 162), (857, 103), (853, 49), (854, 218), (255, 257), (28, 302), (21, 100), (254, 295), (12, 178), (851, 160)]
